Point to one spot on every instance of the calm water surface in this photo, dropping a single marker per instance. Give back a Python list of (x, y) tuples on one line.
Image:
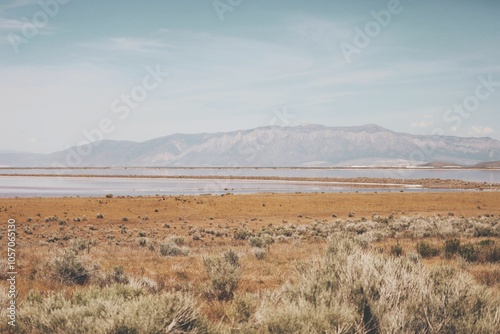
[(26, 186)]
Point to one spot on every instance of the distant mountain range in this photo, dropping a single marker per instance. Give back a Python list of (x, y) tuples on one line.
[(274, 146)]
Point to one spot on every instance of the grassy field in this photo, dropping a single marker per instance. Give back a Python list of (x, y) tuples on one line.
[(268, 263)]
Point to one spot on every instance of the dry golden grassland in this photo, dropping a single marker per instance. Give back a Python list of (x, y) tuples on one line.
[(265, 263)]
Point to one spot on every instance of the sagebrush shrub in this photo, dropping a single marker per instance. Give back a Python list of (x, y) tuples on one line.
[(488, 251), (492, 253), (68, 269), (114, 309), (353, 290), (468, 252), (119, 275), (142, 242), (426, 250), (78, 245), (397, 250), (257, 242), (259, 253), (171, 249), (242, 308), (451, 247), (242, 234), (179, 241), (224, 276), (232, 258)]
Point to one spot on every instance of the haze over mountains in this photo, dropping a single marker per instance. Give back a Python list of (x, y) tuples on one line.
[(272, 146)]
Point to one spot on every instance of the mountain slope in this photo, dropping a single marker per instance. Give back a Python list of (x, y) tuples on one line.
[(306, 145), (9, 158), (488, 164)]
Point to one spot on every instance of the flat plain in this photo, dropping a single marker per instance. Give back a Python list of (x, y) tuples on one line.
[(231, 261)]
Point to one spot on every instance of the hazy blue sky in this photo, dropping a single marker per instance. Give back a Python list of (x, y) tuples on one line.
[(71, 66)]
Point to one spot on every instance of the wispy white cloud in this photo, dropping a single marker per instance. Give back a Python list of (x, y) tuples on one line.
[(480, 131), (320, 32), (10, 24), (427, 122), (14, 24), (129, 44), (12, 4), (422, 124)]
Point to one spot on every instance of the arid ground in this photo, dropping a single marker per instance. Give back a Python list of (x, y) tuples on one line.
[(205, 210), (171, 244)]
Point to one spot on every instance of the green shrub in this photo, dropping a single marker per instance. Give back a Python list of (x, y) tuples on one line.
[(78, 245), (486, 243), (397, 250), (492, 254), (257, 242), (52, 239), (68, 269), (232, 258), (119, 275), (242, 308), (242, 234), (171, 249), (142, 242), (179, 241), (488, 251), (483, 251), (451, 247), (483, 231), (468, 252), (224, 277), (426, 250), (259, 253)]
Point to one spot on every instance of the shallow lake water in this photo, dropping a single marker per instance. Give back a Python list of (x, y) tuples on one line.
[(53, 186), (473, 175)]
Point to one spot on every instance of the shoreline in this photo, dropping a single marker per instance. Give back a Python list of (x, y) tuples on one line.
[(355, 182), (268, 167)]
